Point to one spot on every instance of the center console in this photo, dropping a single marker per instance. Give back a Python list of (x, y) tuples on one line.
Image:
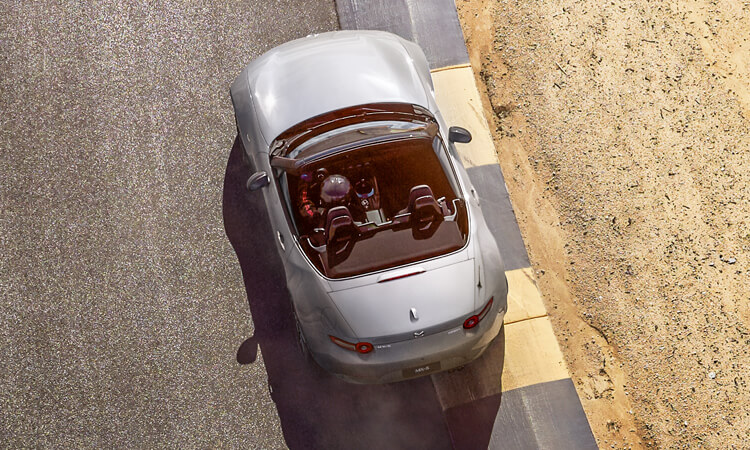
[(368, 199)]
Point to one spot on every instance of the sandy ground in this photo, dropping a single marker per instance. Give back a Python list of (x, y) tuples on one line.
[(623, 131)]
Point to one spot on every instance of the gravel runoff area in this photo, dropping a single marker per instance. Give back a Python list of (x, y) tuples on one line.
[(122, 301), (623, 131)]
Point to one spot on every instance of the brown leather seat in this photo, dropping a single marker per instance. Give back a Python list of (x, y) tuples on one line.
[(340, 226), (426, 209), (423, 206)]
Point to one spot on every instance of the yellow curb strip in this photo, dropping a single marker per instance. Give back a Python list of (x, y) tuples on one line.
[(460, 104), (524, 300), (532, 355)]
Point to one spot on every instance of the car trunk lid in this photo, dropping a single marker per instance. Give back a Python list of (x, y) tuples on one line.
[(409, 300)]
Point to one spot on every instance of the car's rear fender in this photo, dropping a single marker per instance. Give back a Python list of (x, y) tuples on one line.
[(315, 311)]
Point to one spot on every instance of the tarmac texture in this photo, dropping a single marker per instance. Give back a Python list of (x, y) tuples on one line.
[(122, 303)]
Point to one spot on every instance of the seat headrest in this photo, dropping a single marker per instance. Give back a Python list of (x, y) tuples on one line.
[(339, 225), (417, 192), (426, 209)]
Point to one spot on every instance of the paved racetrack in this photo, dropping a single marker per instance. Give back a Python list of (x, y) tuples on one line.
[(123, 302)]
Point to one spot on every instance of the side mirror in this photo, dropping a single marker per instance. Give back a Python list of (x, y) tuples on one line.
[(257, 180), (458, 134)]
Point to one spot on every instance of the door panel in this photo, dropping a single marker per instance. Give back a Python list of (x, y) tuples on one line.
[(281, 233)]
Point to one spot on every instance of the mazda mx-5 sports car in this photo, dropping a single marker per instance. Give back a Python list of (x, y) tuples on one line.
[(392, 270)]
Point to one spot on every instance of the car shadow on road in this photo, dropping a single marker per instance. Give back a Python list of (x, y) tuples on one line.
[(472, 397), (316, 410)]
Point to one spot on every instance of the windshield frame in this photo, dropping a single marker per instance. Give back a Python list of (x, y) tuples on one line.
[(369, 132), (302, 132)]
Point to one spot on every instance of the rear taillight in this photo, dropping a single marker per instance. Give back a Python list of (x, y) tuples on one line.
[(474, 320), (359, 347), (364, 347), (471, 322)]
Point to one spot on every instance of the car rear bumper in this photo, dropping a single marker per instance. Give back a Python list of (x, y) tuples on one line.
[(413, 358)]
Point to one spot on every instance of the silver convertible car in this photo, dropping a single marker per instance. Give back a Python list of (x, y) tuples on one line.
[(392, 270)]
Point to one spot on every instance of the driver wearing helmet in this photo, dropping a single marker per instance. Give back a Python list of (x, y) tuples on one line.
[(335, 190)]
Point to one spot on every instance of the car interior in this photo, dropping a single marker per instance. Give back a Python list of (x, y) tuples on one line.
[(376, 207)]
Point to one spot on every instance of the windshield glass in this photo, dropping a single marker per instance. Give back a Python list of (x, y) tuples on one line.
[(377, 206)]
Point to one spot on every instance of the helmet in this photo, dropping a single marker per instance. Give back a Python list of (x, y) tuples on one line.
[(335, 190)]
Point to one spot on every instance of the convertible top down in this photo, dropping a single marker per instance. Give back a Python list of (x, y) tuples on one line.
[(391, 268)]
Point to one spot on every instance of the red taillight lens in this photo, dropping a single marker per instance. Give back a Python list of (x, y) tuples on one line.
[(364, 347), (471, 322), (359, 347), (486, 309), (474, 320)]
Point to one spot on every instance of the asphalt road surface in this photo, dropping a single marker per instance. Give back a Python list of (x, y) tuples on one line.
[(125, 316), (143, 303)]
